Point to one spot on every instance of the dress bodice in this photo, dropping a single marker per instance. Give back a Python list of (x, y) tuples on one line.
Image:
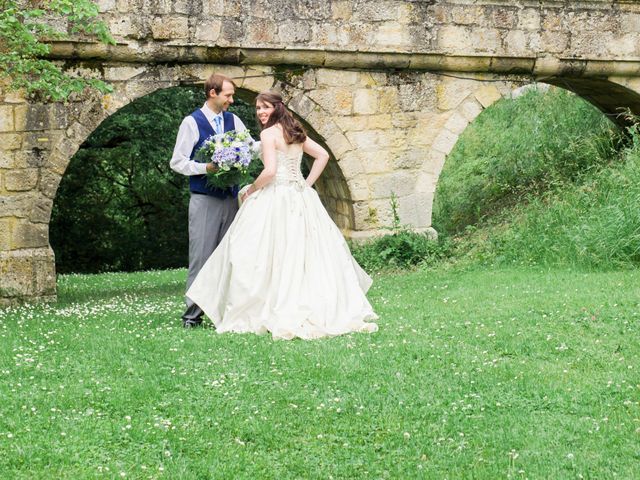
[(288, 167)]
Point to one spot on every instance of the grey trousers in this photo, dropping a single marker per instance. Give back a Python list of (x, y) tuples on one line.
[(209, 220)]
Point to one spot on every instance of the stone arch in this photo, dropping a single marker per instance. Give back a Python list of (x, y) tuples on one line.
[(54, 133), (460, 102), (608, 96), (333, 187), (46, 136)]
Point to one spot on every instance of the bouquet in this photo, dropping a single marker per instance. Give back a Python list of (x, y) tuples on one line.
[(233, 154)]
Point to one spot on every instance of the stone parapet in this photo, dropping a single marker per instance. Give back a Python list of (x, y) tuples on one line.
[(580, 29)]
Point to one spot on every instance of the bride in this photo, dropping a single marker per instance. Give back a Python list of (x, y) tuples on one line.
[(284, 267)]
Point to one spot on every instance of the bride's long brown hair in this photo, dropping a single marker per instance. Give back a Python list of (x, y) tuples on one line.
[(291, 128)]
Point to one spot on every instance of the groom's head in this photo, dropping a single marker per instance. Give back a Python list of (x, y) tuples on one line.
[(219, 90)]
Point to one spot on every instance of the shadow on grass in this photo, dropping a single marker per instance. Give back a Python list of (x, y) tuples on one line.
[(79, 288)]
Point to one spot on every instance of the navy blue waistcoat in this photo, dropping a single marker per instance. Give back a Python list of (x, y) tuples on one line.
[(198, 183)]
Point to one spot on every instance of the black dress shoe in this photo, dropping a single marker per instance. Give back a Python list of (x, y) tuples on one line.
[(191, 323)]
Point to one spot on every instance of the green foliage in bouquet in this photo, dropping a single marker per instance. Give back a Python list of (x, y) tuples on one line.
[(234, 156)]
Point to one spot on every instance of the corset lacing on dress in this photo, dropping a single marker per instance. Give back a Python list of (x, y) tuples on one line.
[(288, 170)]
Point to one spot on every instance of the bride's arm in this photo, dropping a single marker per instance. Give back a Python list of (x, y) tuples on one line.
[(321, 157), (268, 144)]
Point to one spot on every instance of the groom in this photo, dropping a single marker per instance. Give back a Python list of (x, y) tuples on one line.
[(211, 210)]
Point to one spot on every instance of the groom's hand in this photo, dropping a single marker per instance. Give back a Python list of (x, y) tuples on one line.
[(211, 168)]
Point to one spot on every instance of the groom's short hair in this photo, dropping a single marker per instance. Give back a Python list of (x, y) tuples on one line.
[(214, 82)]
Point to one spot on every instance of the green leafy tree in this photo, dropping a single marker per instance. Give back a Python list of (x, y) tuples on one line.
[(24, 31)]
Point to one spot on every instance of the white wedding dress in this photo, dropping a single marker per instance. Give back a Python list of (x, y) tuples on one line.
[(284, 267)]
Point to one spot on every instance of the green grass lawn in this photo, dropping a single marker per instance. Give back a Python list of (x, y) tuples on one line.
[(479, 374)]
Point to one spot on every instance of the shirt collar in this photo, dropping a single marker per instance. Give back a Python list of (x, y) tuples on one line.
[(210, 114)]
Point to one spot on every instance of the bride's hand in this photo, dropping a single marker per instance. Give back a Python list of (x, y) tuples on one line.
[(246, 193)]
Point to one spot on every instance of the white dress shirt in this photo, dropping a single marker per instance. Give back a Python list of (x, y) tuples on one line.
[(188, 136)]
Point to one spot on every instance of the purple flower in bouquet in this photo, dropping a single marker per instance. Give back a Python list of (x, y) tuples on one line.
[(232, 154)]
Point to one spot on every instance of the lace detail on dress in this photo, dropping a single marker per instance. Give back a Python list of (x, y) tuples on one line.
[(288, 170)]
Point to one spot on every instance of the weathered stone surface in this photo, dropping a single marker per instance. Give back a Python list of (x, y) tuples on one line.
[(6, 118), (487, 95), (456, 123), (489, 38), (393, 34), (302, 105), (366, 215), (257, 84), (10, 141), (333, 78), (452, 92), (400, 182), (365, 102), (453, 37), (45, 274), (16, 205), (529, 19), (122, 73), (630, 22), (339, 145), (123, 26), (470, 109), (21, 179), (351, 164), (516, 42), (373, 11), (445, 141), (49, 182), (27, 273), (8, 159), (106, 5), (411, 159), (13, 96), (338, 100), (358, 187), (366, 140), (388, 99), (171, 28), (187, 7), (294, 32), (6, 228), (41, 212), (554, 42), (34, 157), (17, 276), (341, 10), (467, 15), (29, 235), (209, 30), (416, 96), (435, 162), (627, 45), (375, 161), (503, 18)]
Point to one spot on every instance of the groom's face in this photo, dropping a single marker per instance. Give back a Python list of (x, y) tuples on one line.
[(223, 99)]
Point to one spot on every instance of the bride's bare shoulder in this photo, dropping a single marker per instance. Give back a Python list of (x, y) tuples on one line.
[(274, 131)]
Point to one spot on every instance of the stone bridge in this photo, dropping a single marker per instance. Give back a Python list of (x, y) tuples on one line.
[(386, 85)]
